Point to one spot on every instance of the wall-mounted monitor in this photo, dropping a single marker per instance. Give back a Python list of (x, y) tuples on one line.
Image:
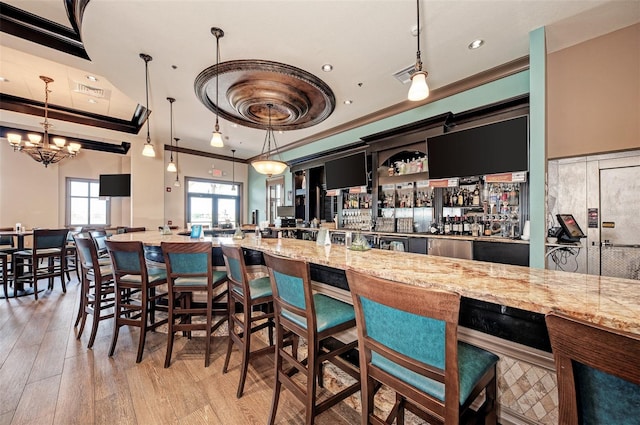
[(115, 185), (348, 171), (499, 147)]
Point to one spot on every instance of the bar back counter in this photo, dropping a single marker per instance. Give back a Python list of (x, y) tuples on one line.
[(502, 311)]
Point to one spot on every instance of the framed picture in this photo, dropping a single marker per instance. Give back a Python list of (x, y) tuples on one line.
[(289, 195)]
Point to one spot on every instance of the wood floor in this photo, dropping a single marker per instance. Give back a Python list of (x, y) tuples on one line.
[(47, 376)]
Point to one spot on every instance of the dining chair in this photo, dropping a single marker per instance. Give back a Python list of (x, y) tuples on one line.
[(97, 291), (4, 274), (190, 270), (48, 246), (408, 341), (100, 237), (138, 291), (597, 370), (71, 253), (316, 318), (255, 298)]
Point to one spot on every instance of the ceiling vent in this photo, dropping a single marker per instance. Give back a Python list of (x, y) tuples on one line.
[(404, 75), (90, 91)]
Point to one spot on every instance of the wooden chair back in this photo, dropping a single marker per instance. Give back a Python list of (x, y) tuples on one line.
[(397, 322), (127, 258), (598, 372)]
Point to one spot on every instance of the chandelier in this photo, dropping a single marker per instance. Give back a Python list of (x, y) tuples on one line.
[(269, 166), (38, 146)]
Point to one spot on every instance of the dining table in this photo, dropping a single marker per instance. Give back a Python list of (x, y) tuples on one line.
[(18, 268)]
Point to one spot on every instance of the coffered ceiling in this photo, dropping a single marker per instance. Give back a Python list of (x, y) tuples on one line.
[(366, 42)]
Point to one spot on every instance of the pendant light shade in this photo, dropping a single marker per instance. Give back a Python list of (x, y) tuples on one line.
[(171, 167), (148, 149), (269, 166), (216, 136), (419, 89)]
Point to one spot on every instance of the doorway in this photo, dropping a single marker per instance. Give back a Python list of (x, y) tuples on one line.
[(620, 222)]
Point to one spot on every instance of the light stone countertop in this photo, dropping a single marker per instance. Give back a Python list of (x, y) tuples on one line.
[(609, 301)]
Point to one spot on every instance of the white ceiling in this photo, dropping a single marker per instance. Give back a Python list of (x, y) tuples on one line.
[(366, 41)]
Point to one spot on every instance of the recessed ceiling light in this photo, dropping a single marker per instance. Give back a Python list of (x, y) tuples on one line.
[(93, 101), (327, 67), (476, 44), (348, 102), (92, 78), (4, 80)]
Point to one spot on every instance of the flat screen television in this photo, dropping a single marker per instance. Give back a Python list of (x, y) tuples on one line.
[(115, 185), (499, 147), (571, 231), (348, 171)]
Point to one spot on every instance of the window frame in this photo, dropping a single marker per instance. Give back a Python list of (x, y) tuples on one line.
[(213, 197), (68, 197)]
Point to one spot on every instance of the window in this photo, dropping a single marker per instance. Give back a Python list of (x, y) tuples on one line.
[(213, 203), (275, 188), (84, 207)]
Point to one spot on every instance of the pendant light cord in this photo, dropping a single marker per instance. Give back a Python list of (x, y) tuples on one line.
[(146, 87), (418, 59), (171, 100)]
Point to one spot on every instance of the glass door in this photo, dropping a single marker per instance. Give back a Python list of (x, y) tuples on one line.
[(200, 210), (226, 212)]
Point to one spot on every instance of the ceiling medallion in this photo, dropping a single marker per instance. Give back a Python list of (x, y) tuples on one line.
[(299, 99)]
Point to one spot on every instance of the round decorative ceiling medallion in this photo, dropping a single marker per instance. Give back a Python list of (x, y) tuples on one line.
[(246, 87)]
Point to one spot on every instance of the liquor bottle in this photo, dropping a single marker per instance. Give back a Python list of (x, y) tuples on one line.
[(476, 196), (487, 227), (466, 226), (447, 226), (460, 198)]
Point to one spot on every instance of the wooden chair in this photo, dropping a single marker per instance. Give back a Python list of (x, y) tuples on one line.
[(243, 324), (598, 372), (4, 274), (190, 270), (316, 318), (48, 247), (134, 278), (71, 253), (100, 238), (97, 288), (408, 341)]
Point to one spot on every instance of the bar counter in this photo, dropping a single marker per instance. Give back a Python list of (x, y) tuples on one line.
[(612, 302)]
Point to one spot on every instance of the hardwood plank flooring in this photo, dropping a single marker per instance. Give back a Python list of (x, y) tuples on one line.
[(48, 376)]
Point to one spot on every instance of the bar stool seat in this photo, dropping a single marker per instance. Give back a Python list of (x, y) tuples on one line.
[(260, 287), (330, 312)]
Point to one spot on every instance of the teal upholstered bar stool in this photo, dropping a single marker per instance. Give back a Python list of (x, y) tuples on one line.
[(408, 341), (598, 372), (138, 288), (255, 298), (190, 270), (301, 313)]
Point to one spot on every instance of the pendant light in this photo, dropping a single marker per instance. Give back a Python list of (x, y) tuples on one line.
[(172, 166), (419, 89), (177, 182), (148, 149), (216, 136), (269, 166), (233, 170)]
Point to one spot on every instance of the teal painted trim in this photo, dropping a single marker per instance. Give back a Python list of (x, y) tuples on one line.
[(495, 91), (537, 146)]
